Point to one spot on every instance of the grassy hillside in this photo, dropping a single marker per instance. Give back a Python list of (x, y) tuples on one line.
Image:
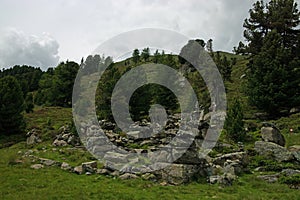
[(19, 181)]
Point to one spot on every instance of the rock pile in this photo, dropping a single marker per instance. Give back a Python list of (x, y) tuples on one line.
[(190, 165), (65, 137)]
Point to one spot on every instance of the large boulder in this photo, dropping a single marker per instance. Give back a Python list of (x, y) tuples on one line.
[(32, 137), (273, 151), (272, 134)]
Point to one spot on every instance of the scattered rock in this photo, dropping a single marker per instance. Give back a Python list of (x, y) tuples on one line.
[(272, 134), (272, 178), (149, 177), (115, 173), (176, 174), (225, 179), (59, 143), (32, 137), (274, 151), (78, 170), (89, 167), (240, 157), (47, 162), (290, 172), (65, 137), (37, 166), (133, 135), (295, 149), (103, 171), (128, 176), (294, 110), (65, 166)]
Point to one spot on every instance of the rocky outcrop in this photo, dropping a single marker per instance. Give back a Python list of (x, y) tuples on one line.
[(272, 134), (274, 151)]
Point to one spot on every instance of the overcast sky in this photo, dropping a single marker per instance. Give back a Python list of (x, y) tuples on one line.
[(44, 32)]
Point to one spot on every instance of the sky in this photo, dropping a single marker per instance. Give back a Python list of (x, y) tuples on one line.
[(43, 33)]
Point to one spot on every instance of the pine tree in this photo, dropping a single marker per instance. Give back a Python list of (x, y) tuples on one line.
[(145, 54), (234, 124), (11, 106), (136, 56), (272, 34)]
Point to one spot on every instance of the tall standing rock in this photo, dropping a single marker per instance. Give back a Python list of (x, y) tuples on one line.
[(272, 134)]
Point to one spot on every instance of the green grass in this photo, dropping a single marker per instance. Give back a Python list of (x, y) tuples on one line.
[(40, 118), (18, 181)]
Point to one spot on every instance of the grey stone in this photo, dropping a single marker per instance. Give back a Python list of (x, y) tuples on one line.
[(37, 166), (65, 166), (271, 178), (177, 174), (133, 135), (33, 139), (128, 176), (47, 162), (115, 173), (233, 167), (240, 156), (103, 171), (290, 172), (149, 177), (59, 143), (225, 179), (274, 151), (214, 179), (78, 170), (116, 157), (272, 134), (216, 170), (295, 149), (294, 110), (89, 167)]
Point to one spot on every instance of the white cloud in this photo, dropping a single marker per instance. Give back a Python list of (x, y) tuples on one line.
[(17, 48), (81, 26)]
